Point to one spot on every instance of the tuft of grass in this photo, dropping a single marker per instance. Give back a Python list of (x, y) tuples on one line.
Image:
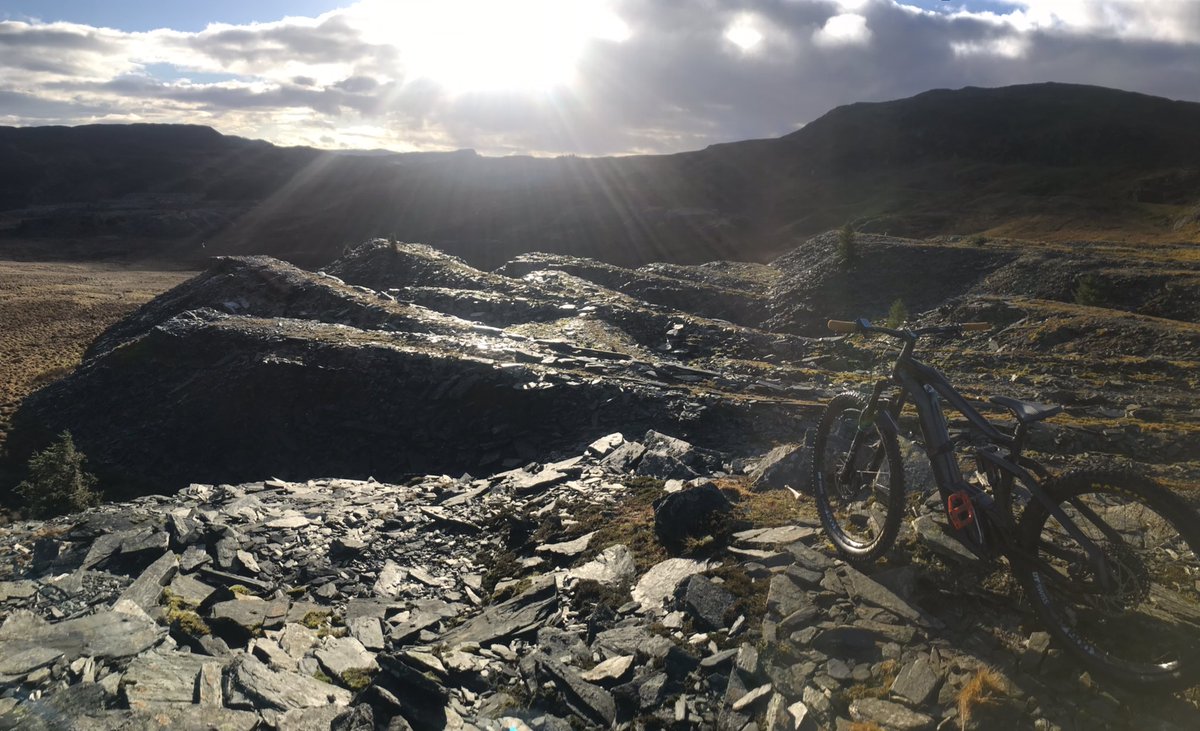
[(356, 679), (181, 615), (315, 619), (323, 677), (241, 590), (982, 689), (865, 726)]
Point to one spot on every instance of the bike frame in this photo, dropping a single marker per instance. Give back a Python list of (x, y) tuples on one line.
[(925, 385)]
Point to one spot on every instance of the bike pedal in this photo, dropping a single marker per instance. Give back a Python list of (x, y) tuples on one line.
[(960, 509)]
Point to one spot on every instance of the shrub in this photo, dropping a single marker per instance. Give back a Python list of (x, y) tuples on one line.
[(978, 240), (57, 482), (847, 246), (898, 314), (1093, 291)]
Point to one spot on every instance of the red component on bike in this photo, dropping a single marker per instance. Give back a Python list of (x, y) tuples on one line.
[(960, 509)]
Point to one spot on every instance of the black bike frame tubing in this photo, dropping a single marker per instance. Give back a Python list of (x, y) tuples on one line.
[(913, 377)]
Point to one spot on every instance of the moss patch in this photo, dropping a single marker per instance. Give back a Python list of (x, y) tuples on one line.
[(356, 679)]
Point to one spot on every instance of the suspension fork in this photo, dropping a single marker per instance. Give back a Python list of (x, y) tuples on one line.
[(865, 419)]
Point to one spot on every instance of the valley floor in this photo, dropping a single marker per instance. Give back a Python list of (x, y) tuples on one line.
[(51, 310)]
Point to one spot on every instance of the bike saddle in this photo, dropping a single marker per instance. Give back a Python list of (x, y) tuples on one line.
[(1026, 411)]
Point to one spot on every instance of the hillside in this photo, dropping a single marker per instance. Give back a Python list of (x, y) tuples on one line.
[(404, 492), (1048, 161)]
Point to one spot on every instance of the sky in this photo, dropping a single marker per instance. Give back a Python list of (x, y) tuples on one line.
[(552, 77)]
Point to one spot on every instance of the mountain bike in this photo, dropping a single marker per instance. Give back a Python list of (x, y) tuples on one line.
[(1108, 559)]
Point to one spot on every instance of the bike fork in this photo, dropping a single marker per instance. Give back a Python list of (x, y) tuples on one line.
[(866, 418)]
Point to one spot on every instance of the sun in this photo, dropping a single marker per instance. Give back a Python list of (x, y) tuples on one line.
[(488, 45)]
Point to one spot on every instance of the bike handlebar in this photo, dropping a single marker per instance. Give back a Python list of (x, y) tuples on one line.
[(862, 325)]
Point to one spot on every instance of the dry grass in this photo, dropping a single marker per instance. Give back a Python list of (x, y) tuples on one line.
[(51, 311), (865, 726), (982, 689)]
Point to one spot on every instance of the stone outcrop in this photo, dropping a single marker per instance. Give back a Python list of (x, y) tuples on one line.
[(256, 367)]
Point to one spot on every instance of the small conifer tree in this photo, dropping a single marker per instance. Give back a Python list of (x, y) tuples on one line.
[(847, 246), (898, 314), (1092, 291), (57, 482)]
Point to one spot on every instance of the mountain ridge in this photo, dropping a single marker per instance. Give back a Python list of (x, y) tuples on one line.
[(1051, 160)]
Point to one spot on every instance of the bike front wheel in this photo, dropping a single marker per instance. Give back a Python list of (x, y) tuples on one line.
[(1132, 612), (858, 480)]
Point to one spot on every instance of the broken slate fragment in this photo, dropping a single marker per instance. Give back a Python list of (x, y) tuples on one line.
[(706, 602), (611, 670), (104, 635), (283, 690), (342, 655), (659, 583), (161, 677), (251, 614), (888, 715), (569, 548), (589, 701), (613, 567), (524, 483), (147, 588)]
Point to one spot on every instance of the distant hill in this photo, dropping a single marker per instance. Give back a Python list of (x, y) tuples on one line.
[(1046, 160)]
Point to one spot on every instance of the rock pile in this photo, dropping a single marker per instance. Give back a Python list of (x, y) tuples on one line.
[(536, 597), (256, 367)]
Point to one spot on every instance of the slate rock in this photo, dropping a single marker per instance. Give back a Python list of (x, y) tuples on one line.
[(250, 614), (889, 715), (614, 566), (340, 655), (283, 690), (305, 719), (356, 718), (707, 603), (190, 590), (567, 549), (633, 640), (624, 458), (917, 682), (752, 697), (782, 467), (103, 635), (183, 530), (613, 669), (662, 580), (155, 678), (691, 513), (146, 589), (368, 631), (425, 700), (785, 597), (864, 588), (521, 615)]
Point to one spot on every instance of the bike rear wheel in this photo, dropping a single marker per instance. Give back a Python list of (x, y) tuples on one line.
[(1141, 627), (860, 505)]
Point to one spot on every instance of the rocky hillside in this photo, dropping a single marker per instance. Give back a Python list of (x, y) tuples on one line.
[(1052, 161), (595, 591), (403, 492), (398, 359)]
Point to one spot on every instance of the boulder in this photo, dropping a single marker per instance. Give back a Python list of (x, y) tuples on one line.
[(691, 513)]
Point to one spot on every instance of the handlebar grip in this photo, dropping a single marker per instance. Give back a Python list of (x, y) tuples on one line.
[(842, 326), (977, 326)]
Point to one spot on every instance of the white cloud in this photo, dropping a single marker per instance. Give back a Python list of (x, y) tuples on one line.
[(847, 29)]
